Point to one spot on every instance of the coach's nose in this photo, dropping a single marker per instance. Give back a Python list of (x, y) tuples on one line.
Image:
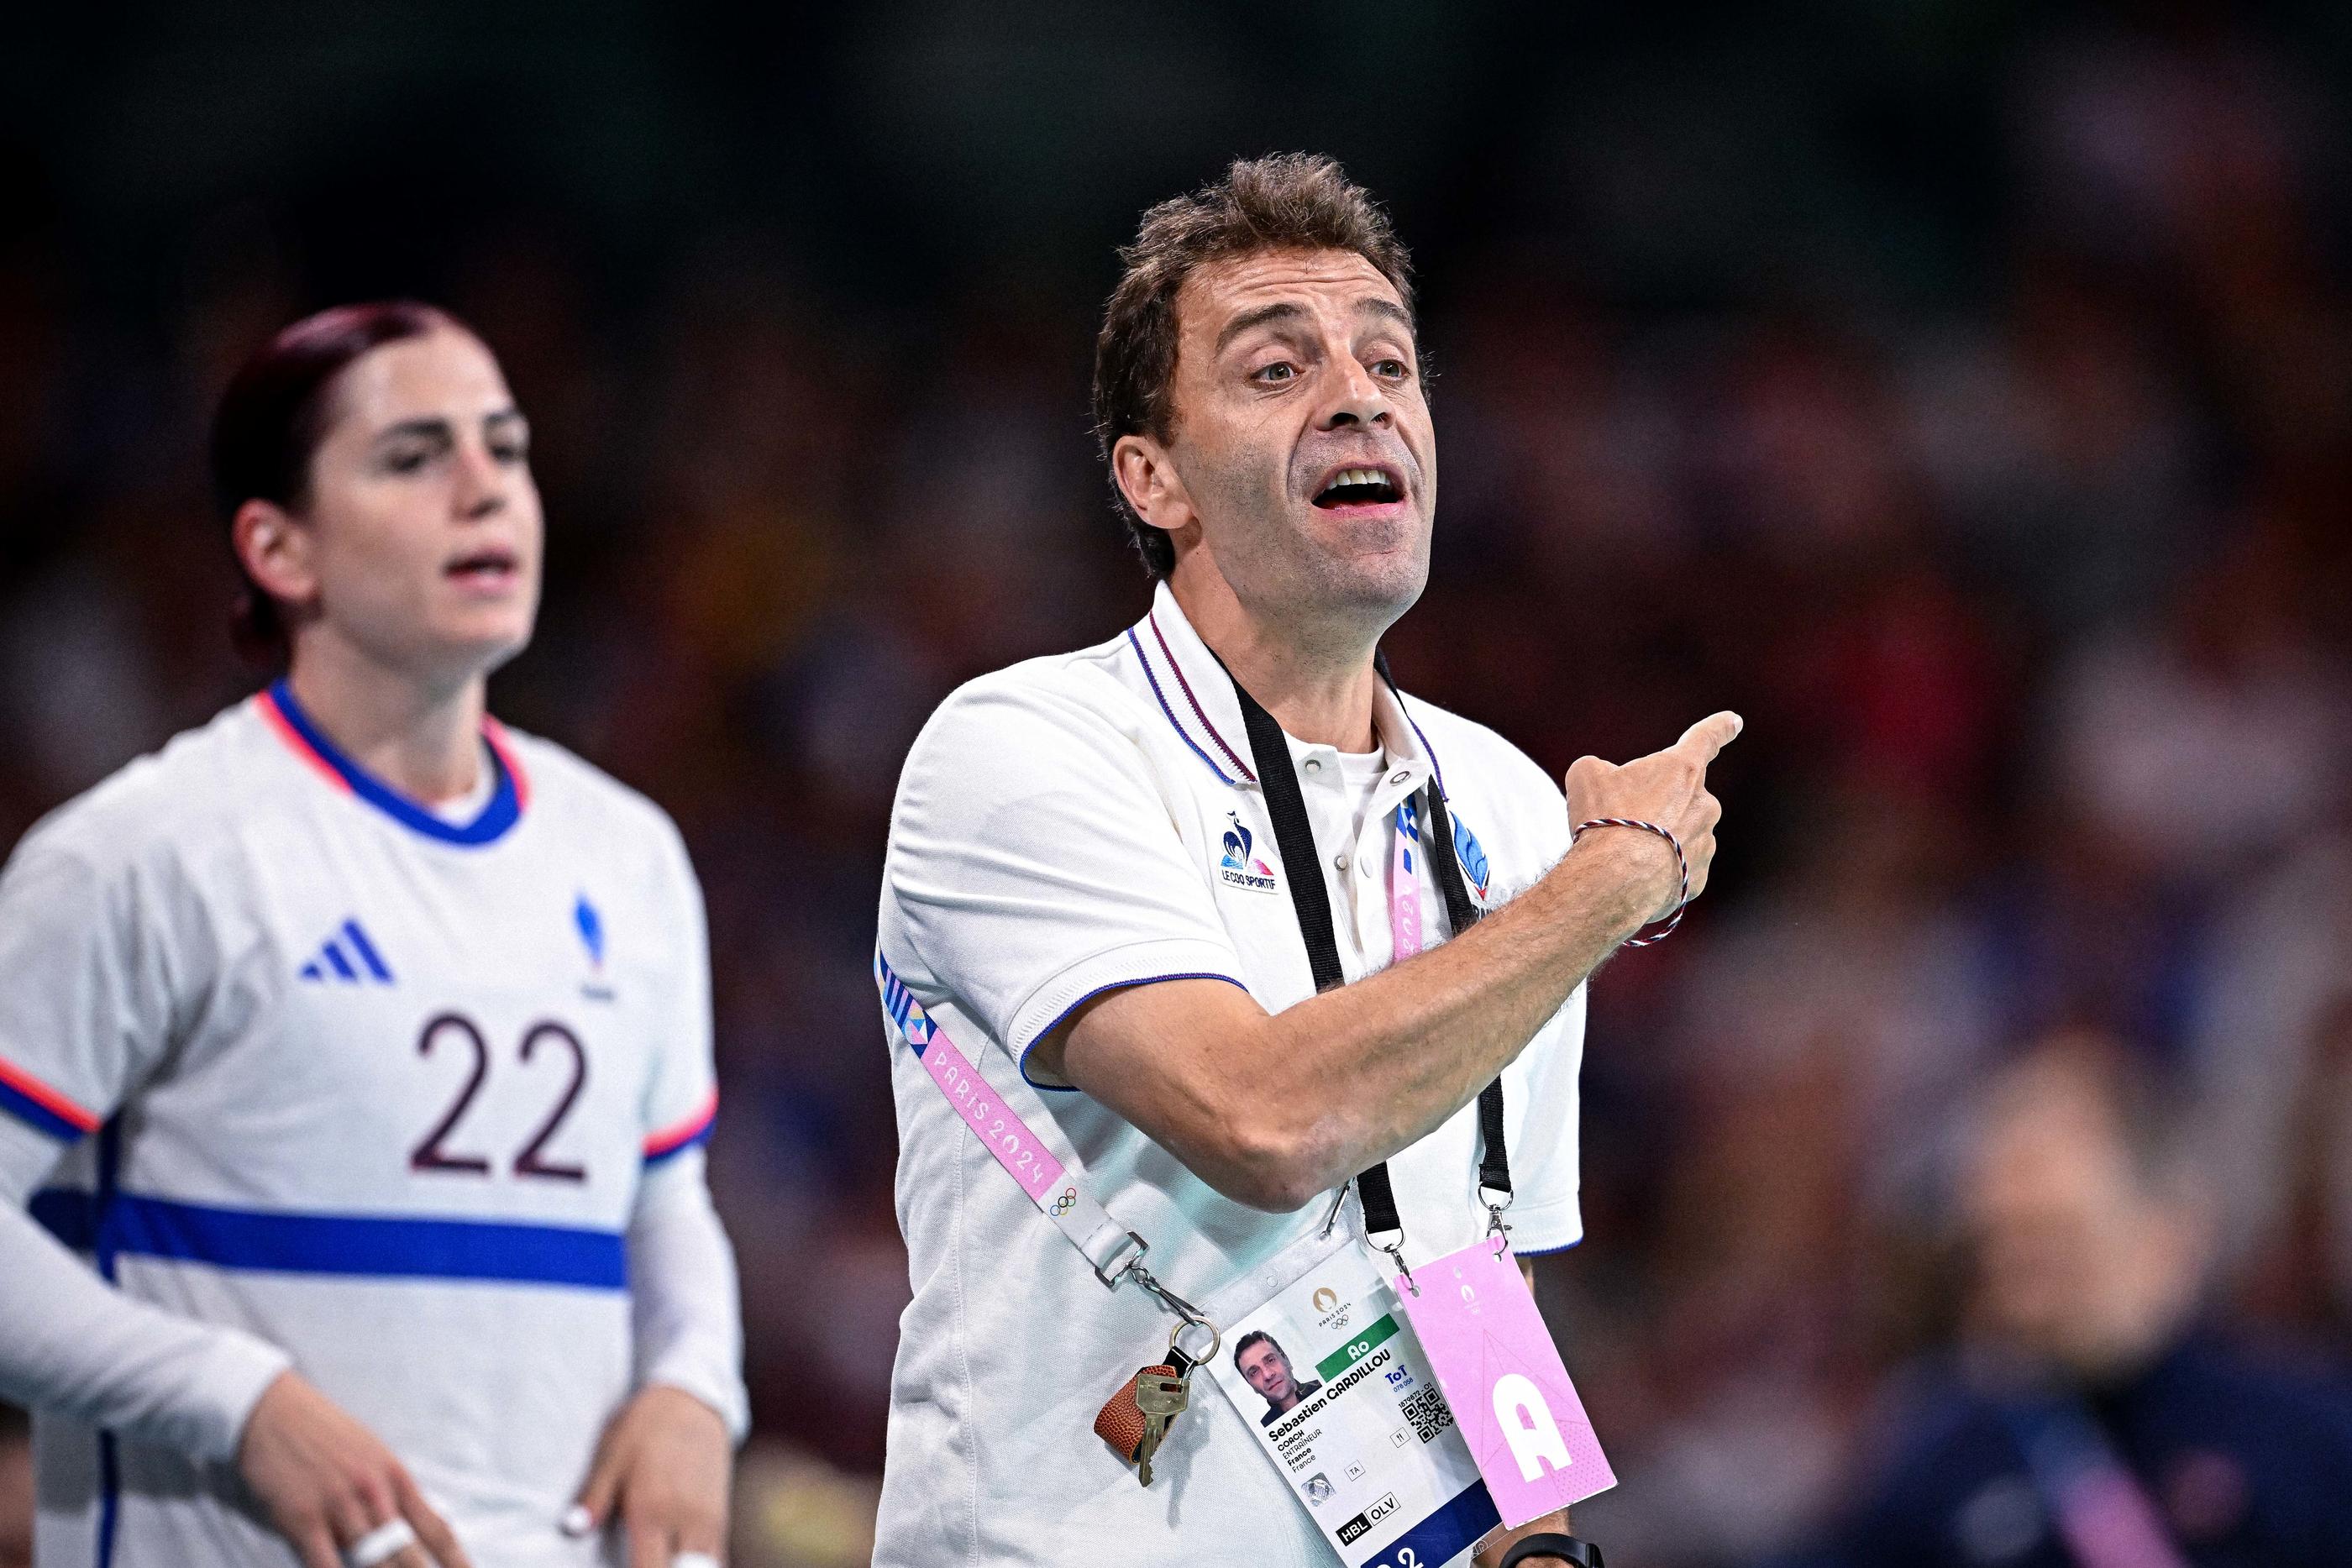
[(1358, 398)]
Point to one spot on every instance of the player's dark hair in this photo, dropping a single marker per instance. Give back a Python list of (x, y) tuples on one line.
[(276, 409), (1255, 1336), (1286, 201)]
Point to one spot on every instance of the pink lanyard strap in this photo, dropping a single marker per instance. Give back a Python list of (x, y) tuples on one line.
[(1405, 881), (1108, 1246)]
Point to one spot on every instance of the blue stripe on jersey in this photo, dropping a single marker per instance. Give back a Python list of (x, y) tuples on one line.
[(337, 962), (350, 1245), (110, 1465), (36, 1115), (503, 811), (70, 1216), (110, 1497)]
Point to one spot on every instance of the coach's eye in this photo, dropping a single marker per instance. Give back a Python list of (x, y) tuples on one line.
[(1392, 370), (406, 459), (1280, 370)]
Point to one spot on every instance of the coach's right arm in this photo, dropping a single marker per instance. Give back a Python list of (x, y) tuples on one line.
[(1243, 1096)]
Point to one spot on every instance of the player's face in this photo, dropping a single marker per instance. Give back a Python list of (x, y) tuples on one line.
[(423, 523), (1302, 439), (1269, 1371)]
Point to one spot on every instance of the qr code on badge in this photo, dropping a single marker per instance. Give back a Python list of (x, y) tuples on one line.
[(1427, 1412)]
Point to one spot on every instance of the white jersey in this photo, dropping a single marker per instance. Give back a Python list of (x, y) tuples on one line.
[(375, 1087), (1093, 820)]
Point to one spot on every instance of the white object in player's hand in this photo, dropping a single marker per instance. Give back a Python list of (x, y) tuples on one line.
[(661, 1472), (381, 1544), (325, 1479)]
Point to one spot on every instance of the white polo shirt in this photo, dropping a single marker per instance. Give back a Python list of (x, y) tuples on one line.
[(1079, 823)]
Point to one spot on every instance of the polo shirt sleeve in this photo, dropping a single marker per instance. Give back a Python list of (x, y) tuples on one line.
[(1035, 863), (1546, 1212), (87, 956)]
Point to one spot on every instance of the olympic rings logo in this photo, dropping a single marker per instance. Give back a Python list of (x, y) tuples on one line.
[(1067, 1201)]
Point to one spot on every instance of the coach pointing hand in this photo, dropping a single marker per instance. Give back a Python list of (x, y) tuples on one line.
[(1667, 787)]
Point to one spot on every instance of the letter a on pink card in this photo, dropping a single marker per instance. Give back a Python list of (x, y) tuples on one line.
[(1502, 1376)]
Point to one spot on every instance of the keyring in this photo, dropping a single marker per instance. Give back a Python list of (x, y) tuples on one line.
[(1176, 1334)]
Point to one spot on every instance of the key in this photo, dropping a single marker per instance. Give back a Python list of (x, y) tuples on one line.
[(1162, 1398), (1122, 1422)]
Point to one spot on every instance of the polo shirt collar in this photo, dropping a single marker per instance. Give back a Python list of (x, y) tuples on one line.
[(1196, 695)]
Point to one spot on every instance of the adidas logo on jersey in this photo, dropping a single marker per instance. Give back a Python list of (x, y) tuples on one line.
[(347, 957)]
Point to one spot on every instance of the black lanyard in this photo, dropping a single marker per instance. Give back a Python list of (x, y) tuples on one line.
[(1294, 837)]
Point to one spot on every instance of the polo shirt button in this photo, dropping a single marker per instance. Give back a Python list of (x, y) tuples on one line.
[(1339, 861), (1399, 776), (1314, 766), (1364, 866)]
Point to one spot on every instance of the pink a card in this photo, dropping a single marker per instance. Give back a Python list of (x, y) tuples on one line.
[(1503, 1378)]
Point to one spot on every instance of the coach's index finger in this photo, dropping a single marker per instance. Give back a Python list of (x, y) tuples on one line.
[(1711, 734)]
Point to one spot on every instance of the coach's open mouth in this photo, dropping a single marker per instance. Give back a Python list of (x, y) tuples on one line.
[(1361, 486)]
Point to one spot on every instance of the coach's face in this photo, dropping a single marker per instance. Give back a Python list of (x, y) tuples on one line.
[(1302, 460), (1267, 1369)]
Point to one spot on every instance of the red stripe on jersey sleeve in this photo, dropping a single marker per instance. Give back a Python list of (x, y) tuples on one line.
[(693, 1129), (23, 1085)]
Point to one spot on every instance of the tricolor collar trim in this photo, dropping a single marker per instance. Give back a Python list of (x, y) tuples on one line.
[(1205, 696), (510, 795)]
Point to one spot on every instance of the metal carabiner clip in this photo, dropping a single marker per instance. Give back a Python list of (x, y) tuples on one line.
[(1339, 1201), (1188, 1315), (1395, 1250), (1495, 1226)]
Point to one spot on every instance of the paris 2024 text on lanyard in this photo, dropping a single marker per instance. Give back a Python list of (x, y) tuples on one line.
[(1404, 1442)]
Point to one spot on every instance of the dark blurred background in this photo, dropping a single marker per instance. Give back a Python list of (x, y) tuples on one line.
[(1961, 391)]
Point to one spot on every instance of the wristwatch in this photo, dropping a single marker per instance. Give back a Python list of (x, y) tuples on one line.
[(1567, 1548)]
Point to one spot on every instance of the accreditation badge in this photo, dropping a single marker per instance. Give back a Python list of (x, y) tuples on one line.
[(1328, 1372)]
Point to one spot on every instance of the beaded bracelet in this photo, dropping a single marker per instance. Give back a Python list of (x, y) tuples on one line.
[(1682, 869)]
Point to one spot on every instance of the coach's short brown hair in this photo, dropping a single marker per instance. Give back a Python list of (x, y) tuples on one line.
[(1286, 201)]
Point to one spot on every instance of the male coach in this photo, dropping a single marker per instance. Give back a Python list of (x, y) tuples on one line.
[(1267, 1365), (1083, 889)]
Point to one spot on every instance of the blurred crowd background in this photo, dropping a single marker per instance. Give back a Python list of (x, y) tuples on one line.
[(1961, 391)]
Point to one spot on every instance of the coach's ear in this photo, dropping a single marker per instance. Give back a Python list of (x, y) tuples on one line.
[(273, 547), (1149, 480)]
